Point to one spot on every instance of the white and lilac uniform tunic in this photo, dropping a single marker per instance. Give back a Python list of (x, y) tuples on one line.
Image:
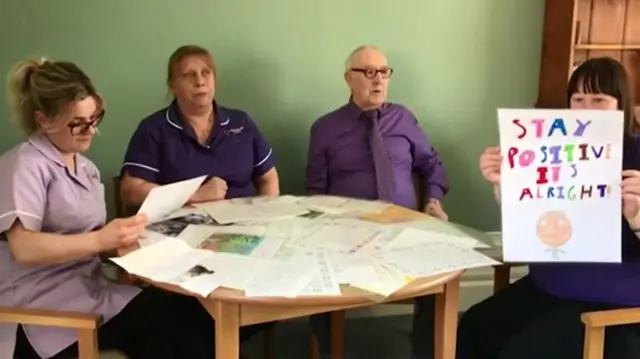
[(38, 189)]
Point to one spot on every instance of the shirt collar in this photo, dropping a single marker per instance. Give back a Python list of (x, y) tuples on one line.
[(175, 119), (355, 112), (43, 144)]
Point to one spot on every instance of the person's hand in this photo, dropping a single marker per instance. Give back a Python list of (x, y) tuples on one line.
[(215, 189), (631, 196), (121, 232), (434, 209), (490, 162)]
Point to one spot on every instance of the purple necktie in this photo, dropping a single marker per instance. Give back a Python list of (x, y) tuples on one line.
[(385, 180)]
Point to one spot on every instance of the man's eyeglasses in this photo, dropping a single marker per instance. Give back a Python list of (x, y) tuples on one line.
[(371, 73), (80, 128)]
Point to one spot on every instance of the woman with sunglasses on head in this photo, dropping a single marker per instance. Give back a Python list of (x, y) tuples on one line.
[(538, 317), (52, 230)]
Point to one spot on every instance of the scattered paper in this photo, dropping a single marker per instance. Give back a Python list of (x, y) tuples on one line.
[(343, 236), (278, 247), (145, 260), (472, 237), (354, 269), (243, 240), (279, 279), (385, 283), (432, 258), (226, 212), (410, 237), (340, 205), (324, 282), (162, 201)]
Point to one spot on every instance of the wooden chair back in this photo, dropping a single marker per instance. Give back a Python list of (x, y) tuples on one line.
[(418, 186), (122, 209)]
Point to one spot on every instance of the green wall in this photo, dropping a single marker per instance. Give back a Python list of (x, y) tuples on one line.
[(455, 61)]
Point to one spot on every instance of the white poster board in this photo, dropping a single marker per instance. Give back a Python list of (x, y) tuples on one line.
[(560, 185)]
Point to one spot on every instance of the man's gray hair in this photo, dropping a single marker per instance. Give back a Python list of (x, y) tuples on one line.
[(348, 63)]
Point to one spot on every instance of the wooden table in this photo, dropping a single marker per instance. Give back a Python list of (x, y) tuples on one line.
[(231, 309)]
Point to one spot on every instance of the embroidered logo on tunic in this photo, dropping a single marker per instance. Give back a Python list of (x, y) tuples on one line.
[(235, 131)]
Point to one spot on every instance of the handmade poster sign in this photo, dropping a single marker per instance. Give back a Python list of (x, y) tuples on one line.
[(560, 185)]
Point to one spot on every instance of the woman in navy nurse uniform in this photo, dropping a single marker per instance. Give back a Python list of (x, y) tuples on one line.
[(194, 136)]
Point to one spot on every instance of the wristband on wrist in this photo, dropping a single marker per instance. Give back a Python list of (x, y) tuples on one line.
[(434, 201)]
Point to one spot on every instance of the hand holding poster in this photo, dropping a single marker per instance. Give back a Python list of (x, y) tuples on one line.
[(560, 185)]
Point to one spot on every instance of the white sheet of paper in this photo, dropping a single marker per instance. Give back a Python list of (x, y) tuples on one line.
[(354, 269), (279, 279), (202, 284), (324, 282), (231, 270), (432, 258), (227, 213), (162, 201), (150, 237), (145, 260), (178, 269), (341, 236), (206, 271), (409, 237), (473, 237), (340, 205), (572, 213), (385, 283)]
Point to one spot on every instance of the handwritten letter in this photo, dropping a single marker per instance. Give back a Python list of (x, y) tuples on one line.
[(561, 175)]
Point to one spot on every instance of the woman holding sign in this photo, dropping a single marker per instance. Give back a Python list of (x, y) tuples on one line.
[(539, 315)]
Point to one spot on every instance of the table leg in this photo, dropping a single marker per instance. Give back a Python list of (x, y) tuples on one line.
[(337, 334), (227, 318), (446, 320)]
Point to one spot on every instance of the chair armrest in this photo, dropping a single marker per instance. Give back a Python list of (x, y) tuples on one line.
[(50, 318), (606, 318)]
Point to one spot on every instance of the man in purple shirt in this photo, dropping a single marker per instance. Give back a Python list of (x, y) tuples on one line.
[(371, 149)]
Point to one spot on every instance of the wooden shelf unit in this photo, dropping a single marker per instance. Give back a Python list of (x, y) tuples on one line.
[(576, 30)]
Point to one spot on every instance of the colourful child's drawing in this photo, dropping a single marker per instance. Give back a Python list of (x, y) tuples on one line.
[(554, 229), (560, 185), (242, 244)]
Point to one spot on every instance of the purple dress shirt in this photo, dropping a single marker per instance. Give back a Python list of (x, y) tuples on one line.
[(340, 161), (611, 283), (164, 149), (38, 190)]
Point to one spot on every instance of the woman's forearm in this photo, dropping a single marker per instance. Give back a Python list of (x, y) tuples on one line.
[(268, 184), (496, 192), (134, 190), (36, 248)]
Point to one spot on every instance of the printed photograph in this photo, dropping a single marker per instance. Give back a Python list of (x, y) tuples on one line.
[(173, 227), (195, 271), (242, 244), (197, 218)]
